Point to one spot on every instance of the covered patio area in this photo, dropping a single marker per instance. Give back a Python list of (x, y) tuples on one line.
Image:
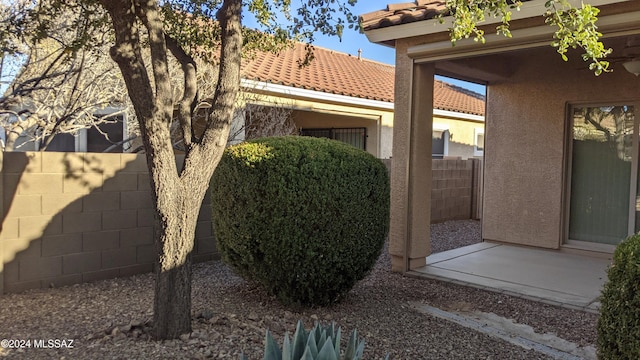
[(561, 185), (554, 277)]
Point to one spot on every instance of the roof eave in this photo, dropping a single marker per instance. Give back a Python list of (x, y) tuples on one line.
[(610, 26), (530, 9)]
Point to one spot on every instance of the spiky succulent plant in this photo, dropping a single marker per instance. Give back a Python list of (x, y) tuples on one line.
[(320, 343)]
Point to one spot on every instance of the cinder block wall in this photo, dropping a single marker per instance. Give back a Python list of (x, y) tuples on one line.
[(76, 217), (452, 189), (456, 192)]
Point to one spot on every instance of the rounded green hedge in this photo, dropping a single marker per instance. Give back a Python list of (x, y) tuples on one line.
[(619, 322), (305, 217)]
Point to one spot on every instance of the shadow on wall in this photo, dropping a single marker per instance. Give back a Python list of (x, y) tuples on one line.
[(69, 218), (465, 151)]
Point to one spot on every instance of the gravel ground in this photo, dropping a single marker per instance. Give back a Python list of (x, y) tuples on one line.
[(106, 319)]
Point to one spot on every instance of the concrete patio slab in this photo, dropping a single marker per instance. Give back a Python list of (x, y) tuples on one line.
[(550, 276)]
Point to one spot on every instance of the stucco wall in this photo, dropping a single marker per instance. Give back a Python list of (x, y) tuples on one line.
[(379, 121), (316, 120), (525, 141), (462, 141)]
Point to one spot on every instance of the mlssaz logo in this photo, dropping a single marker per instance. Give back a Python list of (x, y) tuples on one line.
[(53, 343)]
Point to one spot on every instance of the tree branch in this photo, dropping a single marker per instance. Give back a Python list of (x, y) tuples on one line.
[(186, 105), (228, 85)]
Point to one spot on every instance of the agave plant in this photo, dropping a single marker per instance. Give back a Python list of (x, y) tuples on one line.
[(321, 343)]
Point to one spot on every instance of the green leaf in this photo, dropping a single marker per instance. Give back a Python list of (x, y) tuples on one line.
[(311, 343), (350, 352), (337, 341), (360, 350), (327, 352), (287, 349), (323, 338), (308, 355), (272, 350), (299, 340)]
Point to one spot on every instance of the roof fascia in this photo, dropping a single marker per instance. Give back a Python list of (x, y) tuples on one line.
[(530, 9), (610, 26), (291, 91), (342, 99), (458, 115)]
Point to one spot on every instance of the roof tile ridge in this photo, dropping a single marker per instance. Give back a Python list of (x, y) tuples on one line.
[(338, 52), (462, 90)]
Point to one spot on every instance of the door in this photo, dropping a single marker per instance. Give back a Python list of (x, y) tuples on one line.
[(603, 155)]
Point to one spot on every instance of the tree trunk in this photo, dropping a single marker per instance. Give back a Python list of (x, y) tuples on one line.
[(175, 242), (177, 196)]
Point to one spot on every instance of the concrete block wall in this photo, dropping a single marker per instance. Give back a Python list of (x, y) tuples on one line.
[(456, 192), (452, 189), (76, 217)]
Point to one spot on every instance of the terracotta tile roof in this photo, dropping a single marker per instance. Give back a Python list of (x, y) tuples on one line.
[(454, 98), (330, 71), (403, 13), (339, 73)]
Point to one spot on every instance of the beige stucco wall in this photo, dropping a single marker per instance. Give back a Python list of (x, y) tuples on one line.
[(409, 231), (462, 131), (525, 140), (378, 121), (317, 120)]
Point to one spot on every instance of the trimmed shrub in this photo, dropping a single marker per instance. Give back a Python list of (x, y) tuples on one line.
[(619, 323), (304, 217)]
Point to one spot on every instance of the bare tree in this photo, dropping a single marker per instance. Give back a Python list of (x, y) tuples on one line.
[(56, 88)]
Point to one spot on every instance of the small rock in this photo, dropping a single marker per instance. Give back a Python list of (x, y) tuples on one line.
[(253, 316), (136, 323), (184, 337), (205, 314), (218, 320), (115, 331)]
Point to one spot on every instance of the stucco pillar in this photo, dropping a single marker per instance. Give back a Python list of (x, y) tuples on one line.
[(409, 238), (1, 221)]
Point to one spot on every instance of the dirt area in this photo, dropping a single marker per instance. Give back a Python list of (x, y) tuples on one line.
[(106, 320)]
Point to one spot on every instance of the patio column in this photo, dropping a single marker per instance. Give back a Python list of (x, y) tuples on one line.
[(410, 237), (1, 222)]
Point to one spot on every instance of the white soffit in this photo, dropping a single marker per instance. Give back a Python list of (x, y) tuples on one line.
[(529, 9), (611, 26)]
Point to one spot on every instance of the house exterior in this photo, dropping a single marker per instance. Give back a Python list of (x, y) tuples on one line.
[(350, 98), (106, 135), (337, 95), (561, 151)]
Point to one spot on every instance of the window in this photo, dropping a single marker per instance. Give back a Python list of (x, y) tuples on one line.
[(356, 137), (478, 145), (603, 175), (440, 141), (93, 139)]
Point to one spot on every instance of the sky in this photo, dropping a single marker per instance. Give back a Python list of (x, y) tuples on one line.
[(353, 40)]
